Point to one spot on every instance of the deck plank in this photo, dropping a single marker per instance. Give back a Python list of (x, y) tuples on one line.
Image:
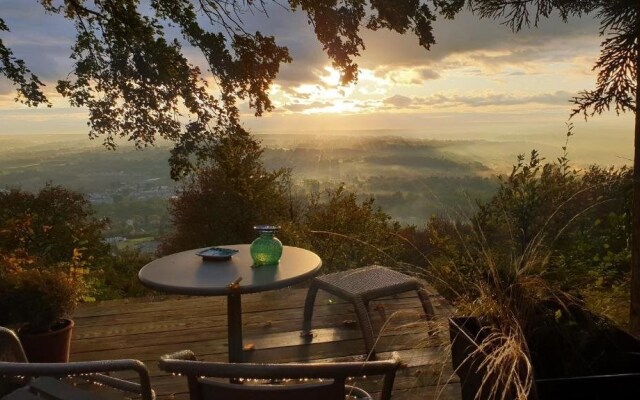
[(147, 328)]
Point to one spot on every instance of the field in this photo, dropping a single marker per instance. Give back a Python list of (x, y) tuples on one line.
[(411, 179)]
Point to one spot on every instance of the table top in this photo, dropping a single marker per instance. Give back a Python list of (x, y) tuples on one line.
[(187, 273)]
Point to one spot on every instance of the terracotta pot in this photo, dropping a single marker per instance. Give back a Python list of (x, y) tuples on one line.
[(51, 346)]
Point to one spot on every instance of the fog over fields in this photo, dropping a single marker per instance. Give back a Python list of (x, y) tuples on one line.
[(411, 174)]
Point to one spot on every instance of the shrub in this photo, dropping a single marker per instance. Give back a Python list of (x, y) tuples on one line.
[(38, 298), (221, 202), (119, 276), (550, 237), (346, 232), (50, 225)]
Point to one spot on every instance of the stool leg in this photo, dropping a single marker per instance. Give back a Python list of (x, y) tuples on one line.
[(308, 308), (426, 303), (365, 325)]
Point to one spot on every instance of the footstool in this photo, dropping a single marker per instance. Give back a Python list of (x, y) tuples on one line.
[(359, 286)]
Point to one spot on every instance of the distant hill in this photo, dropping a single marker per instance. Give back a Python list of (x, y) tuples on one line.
[(411, 178)]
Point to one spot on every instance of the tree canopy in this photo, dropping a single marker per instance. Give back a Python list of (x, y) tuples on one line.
[(137, 83), (220, 202), (51, 226)]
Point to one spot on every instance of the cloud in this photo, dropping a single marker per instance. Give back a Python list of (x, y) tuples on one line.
[(464, 69), (428, 74), (6, 88), (467, 33), (493, 99), (443, 100), (44, 41), (300, 107), (398, 101), (406, 76)]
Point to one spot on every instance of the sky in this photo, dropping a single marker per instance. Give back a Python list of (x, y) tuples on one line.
[(480, 80)]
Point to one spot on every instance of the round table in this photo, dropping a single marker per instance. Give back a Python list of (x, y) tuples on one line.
[(187, 273)]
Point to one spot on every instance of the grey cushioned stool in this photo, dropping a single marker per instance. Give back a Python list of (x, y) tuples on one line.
[(359, 286)]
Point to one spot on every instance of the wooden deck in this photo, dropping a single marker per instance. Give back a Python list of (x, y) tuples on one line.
[(147, 328)]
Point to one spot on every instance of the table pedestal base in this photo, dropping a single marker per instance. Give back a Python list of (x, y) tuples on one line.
[(234, 328)]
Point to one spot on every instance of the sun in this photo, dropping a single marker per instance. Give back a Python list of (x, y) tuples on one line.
[(326, 95), (332, 77)]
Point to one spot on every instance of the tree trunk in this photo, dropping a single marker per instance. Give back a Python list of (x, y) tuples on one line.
[(634, 316)]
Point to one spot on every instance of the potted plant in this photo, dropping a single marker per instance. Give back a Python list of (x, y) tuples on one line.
[(516, 335), (46, 240), (39, 301), (591, 359), (517, 275)]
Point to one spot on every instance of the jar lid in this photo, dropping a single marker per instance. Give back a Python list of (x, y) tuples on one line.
[(266, 228)]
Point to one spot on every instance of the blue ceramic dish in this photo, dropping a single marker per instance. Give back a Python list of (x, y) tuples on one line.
[(217, 253)]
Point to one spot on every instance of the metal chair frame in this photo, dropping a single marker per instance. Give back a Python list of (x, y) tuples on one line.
[(360, 286), (93, 371), (185, 363)]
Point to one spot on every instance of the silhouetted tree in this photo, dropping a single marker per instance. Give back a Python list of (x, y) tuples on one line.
[(137, 83), (220, 203), (50, 226), (346, 232)]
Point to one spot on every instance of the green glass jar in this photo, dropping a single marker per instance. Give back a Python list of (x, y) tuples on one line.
[(266, 249)]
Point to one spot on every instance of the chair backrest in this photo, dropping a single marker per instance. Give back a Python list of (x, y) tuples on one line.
[(10, 348), (11, 351), (335, 374), (16, 371)]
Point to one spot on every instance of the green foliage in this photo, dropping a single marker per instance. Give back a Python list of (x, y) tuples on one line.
[(618, 81), (571, 231), (220, 203), (530, 208), (345, 232), (119, 277), (39, 297), (617, 65), (49, 226), (598, 243), (583, 220), (50, 243), (445, 246), (550, 245)]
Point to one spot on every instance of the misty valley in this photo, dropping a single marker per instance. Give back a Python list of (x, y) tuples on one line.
[(410, 179)]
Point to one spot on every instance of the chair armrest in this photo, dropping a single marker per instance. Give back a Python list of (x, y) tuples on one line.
[(87, 367), (184, 362)]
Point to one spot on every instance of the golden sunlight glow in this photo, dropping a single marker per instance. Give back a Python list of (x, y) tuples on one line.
[(337, 107), (404, 76), (332, 78)]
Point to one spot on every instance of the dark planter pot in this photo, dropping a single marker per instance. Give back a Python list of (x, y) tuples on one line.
[(620, 380), (50, 346), (465, 332)]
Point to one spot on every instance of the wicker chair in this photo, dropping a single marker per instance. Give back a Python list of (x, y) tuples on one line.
[(360, 286), (330, 385), (36, 380)]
